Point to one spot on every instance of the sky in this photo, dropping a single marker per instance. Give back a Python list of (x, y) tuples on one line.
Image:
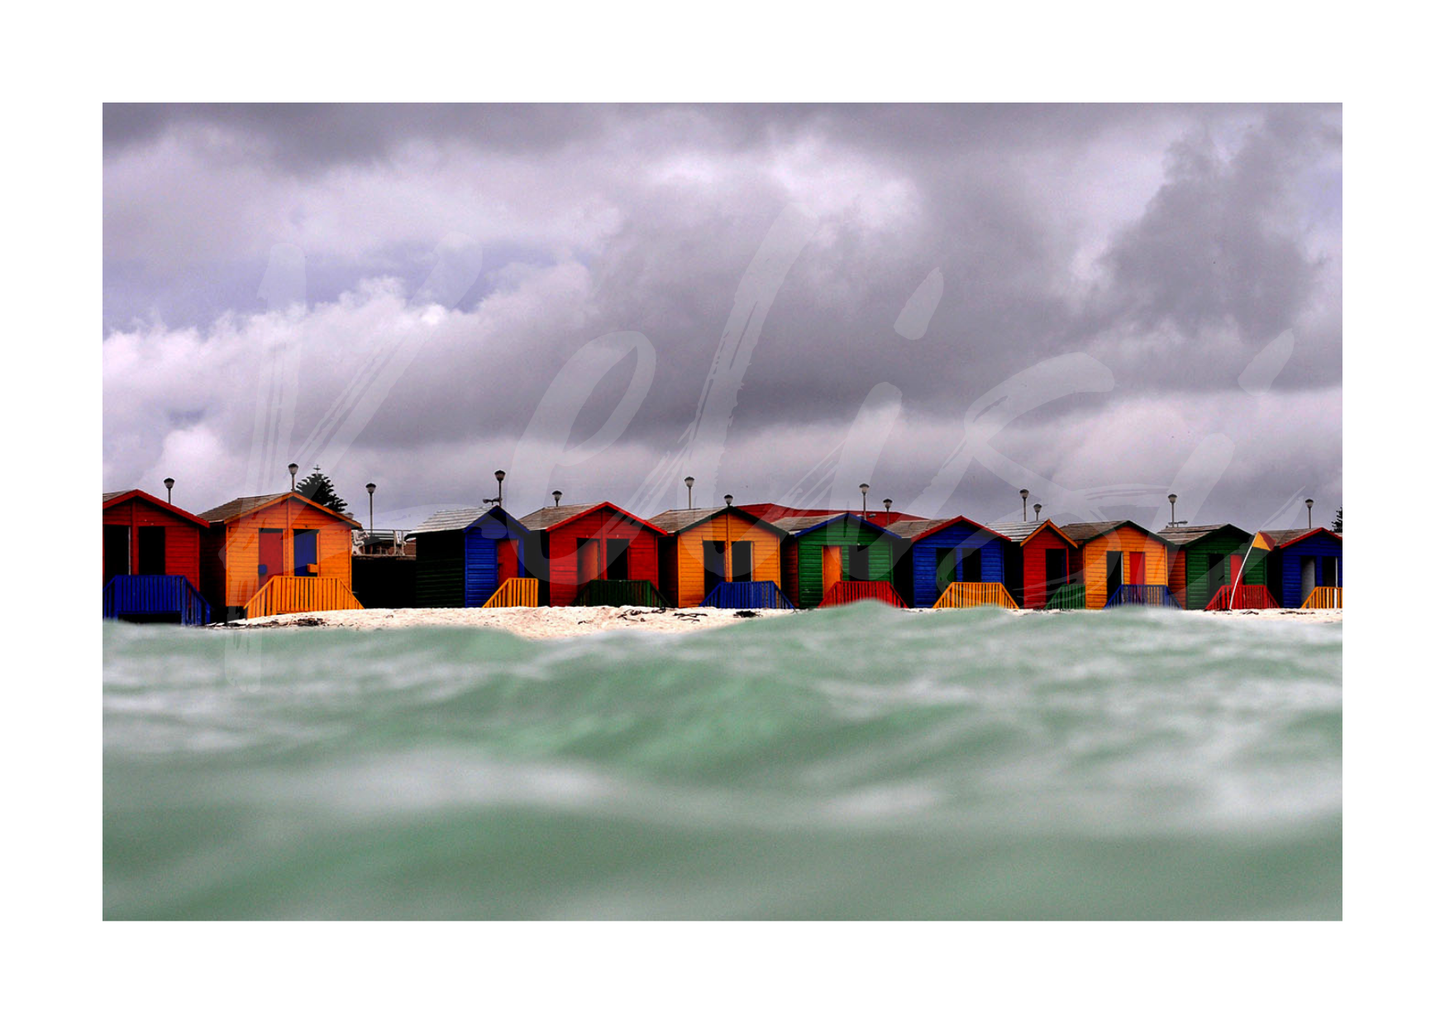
[(1103, 304)]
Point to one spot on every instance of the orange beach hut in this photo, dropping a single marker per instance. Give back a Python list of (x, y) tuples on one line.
[(721, 556), (270, 554), (1121, 563)]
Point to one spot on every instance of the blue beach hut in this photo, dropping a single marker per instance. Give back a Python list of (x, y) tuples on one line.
[(465, 556)]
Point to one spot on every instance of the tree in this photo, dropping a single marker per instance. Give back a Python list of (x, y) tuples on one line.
[(317, 487), (1339, 525)]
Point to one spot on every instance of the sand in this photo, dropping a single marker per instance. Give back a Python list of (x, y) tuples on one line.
[(577, 621)]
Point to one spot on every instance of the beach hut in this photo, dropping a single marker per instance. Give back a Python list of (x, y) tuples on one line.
[(833, 559), (151, 560), (593, 555), (269, 554), (1121, 563), (934, 555), (1040, 565), (1305, 568), (1203, 560), (722, 557), (465, 557)]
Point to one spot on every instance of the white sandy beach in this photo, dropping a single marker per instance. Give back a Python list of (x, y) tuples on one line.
[(576, 621)]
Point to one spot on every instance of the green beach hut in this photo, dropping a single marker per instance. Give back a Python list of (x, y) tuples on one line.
[(836, 558), (1206, 558)]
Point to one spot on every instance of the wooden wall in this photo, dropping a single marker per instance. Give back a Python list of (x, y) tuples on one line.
[(922, 584), (183, 536), (1189, 568), (1285, 581), (845, 533), (684, 571), (1036, 567), (559, 548), (1094, 563), (235, 549)]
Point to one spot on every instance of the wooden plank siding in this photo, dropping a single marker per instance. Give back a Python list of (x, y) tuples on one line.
[(685, 563), (846, 532), (558, 550), (921, 587), (441, 570), (1092, 561), (1026, 562), (1189, 567), (182, 541), (230, 562)]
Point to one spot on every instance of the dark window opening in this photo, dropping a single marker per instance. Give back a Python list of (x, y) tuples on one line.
[(1113, 573), (618, 563), (713, 554), (151, 559), (1056, 569), (1217, 573), (970, 566), (944, 562), (742, 561), (1330, 571), (116, 539), (303, 547), (270, 560), (858, 563)]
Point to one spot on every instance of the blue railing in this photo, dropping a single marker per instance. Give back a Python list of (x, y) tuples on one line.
[(1142, 594), (755, 594), (154, 595)]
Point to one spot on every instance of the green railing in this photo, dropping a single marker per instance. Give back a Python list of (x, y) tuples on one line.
[(620, 592), (1066, 596)]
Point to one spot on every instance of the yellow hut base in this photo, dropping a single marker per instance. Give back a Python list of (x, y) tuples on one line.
[(965, 596), (1325, 598), (281, 595), (515, 593)]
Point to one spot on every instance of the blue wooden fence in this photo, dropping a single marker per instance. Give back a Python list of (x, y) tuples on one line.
[(1142, 594), (757, 594), (151, 595)]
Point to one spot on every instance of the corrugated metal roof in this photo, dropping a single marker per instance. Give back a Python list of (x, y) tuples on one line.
[(1285, 537), (912, 528), (106, 496), (553, 515), (675, 520), (1188, 534), (448, 519), (240, 506), (1082, 532), (794, 524)]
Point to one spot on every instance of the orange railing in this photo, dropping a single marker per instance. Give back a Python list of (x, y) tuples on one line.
[(281, 595), (960, 595), (515, 592), (1325, 598)]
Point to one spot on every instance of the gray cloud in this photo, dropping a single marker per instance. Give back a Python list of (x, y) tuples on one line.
[(1170, 243)]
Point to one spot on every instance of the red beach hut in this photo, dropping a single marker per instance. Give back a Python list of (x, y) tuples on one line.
[(151, 560), (593, 555)]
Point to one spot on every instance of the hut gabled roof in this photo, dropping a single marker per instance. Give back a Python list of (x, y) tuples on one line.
[(1082, 533), (1182, 536), (238, 507), (675, 521), (110, 498), (1285, 538), (916, 530), (800, 525), (553, 516), (1023, 531), (462, 519)]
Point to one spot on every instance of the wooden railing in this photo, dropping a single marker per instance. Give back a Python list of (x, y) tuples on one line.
[(515, 593), (1325, 598), (620, 592), (845, 592), (281, 595), (1157, 595), (960, 595), (154, 594), (755, 594), (1066, 596), (1245, 596)]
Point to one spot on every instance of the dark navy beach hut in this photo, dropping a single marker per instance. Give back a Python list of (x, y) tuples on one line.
[(1306, 568), (936, 553), (463, 556)]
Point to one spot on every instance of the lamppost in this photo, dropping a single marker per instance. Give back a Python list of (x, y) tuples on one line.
[(371, 508), (501, 475), (1024, 494), (1037, 507), (556, 498), (293, 468), (1172, 520), (864, 488), (169, 482), (1309, 513), (887, 506), (689, 482)]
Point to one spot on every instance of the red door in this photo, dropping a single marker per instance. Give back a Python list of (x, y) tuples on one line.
[(506, 560), (271, 556), (1136, 568), (1236, 563)]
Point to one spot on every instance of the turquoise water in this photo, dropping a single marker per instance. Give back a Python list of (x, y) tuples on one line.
[(850, 763)]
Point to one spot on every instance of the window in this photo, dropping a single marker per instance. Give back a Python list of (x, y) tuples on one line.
[(1056, 569), (618, 563), (742, 561), (858, 563), (304, 551), (116, 539), (943, 566), (152, 556), (970, 566)]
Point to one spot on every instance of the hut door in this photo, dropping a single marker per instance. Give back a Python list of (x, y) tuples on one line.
[(832, 567), (151, 550), (1236, 563), (945, 561), (858, 562), (117, 550), (1330, 565), (588, 562), (507, 562), (742, 561), (1056, 570), (271, 556), (1136, 568), (1308, 576), (618, 565), (1113, 573), (713, 568), (970, 566)]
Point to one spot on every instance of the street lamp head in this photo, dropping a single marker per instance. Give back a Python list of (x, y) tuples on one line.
[(863, 488), (371, 489), (556, 498), (1309, 503), (292, 467), (728, 499), (888, 505), (501, 475), (689, 481), (1038, 507), (1173, 499)]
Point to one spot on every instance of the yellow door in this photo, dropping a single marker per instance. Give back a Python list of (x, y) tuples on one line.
[(832, 567)]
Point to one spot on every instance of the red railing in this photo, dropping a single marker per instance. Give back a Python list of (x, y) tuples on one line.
[(846, 592)]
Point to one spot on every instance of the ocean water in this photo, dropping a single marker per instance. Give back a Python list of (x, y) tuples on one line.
[(849, 763)]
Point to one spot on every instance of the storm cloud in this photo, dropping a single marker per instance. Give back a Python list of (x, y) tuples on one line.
[(1153, 293)]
